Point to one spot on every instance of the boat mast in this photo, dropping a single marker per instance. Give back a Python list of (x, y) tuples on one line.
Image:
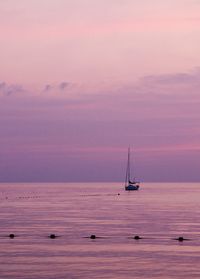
[(127, 179), (129, 174)]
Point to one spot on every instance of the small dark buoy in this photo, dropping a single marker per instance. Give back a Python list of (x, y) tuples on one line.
[(137, 237), (11, 235), (118, 194), (180, 238), (93, 236), (52, 236)]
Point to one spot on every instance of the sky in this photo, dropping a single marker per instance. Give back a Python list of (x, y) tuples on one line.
[(82, 80)]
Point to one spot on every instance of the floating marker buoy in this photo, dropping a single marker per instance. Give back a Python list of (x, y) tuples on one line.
[(11, 235), (137, 237), (52, 236), (180, 238), (93, 236)]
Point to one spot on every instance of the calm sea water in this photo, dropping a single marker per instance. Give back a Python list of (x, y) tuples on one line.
[(159, 212)]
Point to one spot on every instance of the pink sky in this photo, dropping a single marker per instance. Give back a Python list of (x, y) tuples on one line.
[(81, 80)]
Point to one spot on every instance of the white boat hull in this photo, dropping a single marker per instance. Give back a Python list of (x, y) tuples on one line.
[(131, 187)]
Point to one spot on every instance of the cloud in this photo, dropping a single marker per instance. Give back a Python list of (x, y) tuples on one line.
[(158, 116), (56, 86), (183, 78), (47, 87), (63, 85), (10, 89)]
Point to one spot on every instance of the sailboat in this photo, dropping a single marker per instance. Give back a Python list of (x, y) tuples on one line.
[(130, 185)]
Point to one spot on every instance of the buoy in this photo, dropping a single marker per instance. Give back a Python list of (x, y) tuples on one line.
[(11, 235), (137, 237), (93, 236), (180, 238), (52, 236)]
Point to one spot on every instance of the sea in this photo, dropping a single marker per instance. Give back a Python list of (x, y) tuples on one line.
[(159, 213)]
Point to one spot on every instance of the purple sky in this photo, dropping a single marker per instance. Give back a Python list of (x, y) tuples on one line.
[(82, 80)]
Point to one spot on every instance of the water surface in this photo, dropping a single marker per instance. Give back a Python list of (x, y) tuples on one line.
[(159, 213)]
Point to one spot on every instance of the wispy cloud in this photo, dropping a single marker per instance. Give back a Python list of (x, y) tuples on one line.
[(192, 78), (63, 85), (159, 115), (10, 89), (56, 86), (47, 88)]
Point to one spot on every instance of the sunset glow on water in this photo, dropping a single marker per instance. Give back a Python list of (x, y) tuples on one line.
[(159, 213)]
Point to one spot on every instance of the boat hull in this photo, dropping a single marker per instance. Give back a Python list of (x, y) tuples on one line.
[(131, 187)]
